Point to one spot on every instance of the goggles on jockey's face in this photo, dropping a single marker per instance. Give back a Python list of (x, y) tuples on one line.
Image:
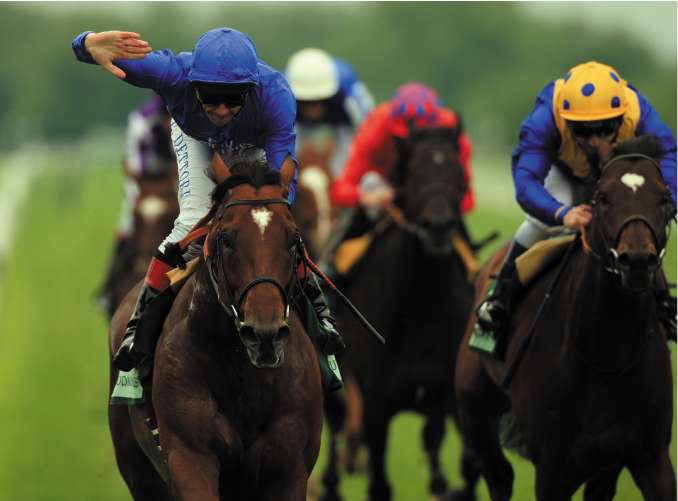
[(600, 128), (214, 95)]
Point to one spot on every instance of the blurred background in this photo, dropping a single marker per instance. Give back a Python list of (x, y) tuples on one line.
[(61, 140)]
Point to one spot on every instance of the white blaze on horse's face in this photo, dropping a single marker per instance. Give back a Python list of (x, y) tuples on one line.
[(152, 207), (633, 181), (262, 216)]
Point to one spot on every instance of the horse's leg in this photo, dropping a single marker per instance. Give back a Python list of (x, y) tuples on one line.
[(470, 471), (335, 411), (292, 488), (479, 406), (603, 486), (194, 475), (555, 483), (432, 435), (655, 477), (354, 416), (136, 469), (376, 428)]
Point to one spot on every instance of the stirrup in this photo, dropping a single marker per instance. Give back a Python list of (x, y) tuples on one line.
[(127, 358)]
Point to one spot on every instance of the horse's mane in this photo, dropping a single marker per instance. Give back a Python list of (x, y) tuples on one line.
[(248, 166), (647, 144)]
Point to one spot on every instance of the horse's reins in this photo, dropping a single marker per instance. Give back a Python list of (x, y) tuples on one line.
[(301, 254), (510, 372), (233, 309), (611, 251)]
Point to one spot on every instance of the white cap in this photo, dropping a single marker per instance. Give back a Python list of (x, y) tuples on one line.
[(312, 75)]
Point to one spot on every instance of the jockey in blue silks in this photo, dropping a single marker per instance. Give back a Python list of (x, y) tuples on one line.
[(329, 98), (221, 97), (559, 141)]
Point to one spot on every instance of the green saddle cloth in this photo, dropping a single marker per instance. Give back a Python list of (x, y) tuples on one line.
[(128, 389)]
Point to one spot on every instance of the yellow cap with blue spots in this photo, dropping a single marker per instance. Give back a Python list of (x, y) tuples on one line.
[(592, 91)]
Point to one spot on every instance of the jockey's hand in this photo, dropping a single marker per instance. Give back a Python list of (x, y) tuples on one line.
[(377, 198), (108, 46), (578, 216)]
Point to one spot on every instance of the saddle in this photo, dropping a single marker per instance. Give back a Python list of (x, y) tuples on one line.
[(352, 250), (541, 257)]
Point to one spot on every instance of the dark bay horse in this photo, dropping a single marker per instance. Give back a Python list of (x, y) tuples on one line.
[(593, 392), (414, 288), (154, 213), (236, 388)]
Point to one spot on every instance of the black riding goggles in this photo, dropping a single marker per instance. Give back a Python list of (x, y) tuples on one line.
[(214, 95), (586, 130)]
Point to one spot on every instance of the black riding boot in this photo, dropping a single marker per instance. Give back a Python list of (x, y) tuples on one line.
[(494, 311), (129, 355), (333, 343)]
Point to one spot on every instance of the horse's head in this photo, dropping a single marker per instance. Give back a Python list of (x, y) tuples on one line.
[(432, 185), (154, 213), (632, 213), (253, 249)]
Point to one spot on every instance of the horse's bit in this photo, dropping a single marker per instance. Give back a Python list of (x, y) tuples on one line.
[(233, 308), (612, 255)]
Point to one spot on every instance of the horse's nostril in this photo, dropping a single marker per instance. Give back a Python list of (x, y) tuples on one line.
[(637, 260), (248, 334), (283, 332), (653, 261), (623, 261)]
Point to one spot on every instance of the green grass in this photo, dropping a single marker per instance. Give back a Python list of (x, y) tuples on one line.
[(53, 363)]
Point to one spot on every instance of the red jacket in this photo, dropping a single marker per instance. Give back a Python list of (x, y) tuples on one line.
[(373, 149)]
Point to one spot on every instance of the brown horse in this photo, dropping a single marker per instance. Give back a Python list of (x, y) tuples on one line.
[(588, 372), (313, 210), (236, 386), (154, 213), (414, 288)]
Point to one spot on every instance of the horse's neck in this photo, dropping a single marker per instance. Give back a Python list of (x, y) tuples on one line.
[(423, 276), (606, 322)]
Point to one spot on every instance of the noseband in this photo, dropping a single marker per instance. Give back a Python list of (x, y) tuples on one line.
[(233, 308), (610, 261)]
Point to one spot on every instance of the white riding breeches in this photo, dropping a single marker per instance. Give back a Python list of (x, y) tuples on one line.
[(126, 219), (533, 230), (194, 163)]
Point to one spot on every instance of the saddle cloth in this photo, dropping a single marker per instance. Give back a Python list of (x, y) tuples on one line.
[(541, 256)]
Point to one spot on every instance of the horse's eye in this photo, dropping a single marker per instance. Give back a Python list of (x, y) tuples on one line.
[(602, 199), (225, 239)]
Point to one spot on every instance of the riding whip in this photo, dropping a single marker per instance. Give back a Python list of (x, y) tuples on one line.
[(314, 268)]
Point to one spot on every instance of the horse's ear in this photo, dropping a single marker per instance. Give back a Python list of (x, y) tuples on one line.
[(220, 171), (287, 174)]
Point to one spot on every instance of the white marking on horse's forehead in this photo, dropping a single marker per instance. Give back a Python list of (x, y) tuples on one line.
[(262, 216), (633, 181), (438, 158), (152, 207)]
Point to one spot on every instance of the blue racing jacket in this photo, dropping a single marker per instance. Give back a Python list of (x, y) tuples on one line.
[(350, 105), (266, 120), (539, 147)]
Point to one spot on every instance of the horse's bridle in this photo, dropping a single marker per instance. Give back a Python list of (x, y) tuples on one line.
[(233, 308), (610, 260)]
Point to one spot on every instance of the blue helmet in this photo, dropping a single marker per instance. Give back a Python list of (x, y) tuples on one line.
[(224, 56)]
